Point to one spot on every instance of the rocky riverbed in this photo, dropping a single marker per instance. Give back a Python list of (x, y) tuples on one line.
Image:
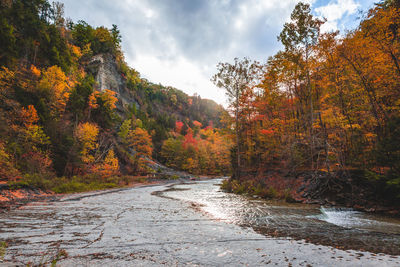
[(187, 224)]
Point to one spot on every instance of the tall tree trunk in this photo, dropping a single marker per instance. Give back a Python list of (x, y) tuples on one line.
[(237, 136), (311, 110)]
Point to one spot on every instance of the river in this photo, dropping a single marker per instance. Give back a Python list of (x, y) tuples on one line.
[(194, 224)]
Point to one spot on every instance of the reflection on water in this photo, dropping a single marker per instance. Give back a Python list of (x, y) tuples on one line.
[(343, 228)]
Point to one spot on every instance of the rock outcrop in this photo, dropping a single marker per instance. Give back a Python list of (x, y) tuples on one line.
[(105, 70)]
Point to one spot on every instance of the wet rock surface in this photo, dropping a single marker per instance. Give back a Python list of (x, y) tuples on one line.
[(155, 226)]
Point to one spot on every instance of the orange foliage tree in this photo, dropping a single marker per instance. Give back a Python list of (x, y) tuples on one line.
[(140, 140), (328, 104), (205, 151)]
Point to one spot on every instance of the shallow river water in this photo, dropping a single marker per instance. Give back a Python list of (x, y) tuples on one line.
[(194, 224)]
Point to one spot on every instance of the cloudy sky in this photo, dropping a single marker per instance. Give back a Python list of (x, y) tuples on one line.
[(179, 42)]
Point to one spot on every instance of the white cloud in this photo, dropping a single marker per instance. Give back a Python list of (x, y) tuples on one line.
[(182, 72), (335, 11), (179, 42)]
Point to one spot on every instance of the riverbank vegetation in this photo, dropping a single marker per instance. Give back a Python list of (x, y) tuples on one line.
[(324, 110), (61, 130), (319, 120), (198, 151), (82, 183)]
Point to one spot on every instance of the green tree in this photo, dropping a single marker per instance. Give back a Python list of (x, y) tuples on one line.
[(172, 152), (7, 42)]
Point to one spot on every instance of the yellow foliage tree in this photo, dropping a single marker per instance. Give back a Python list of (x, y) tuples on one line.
[(87, 134), (108, 167), (140, 140), (108, 98), (8, 172), (55, 83)]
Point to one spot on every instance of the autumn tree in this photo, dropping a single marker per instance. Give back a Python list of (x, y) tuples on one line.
[(87, 134), (299, 38), (234, 79), (108, 167), (55, 84), (172, 152), (140, 141), (8, 170), (205, 151), (53, 122)]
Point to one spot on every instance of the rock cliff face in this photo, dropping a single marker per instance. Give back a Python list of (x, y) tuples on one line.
[(105, 71), (107, 76)]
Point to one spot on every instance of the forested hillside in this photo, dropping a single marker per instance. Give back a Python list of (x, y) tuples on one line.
[(319, 120), (73, 112), (323, 113)]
